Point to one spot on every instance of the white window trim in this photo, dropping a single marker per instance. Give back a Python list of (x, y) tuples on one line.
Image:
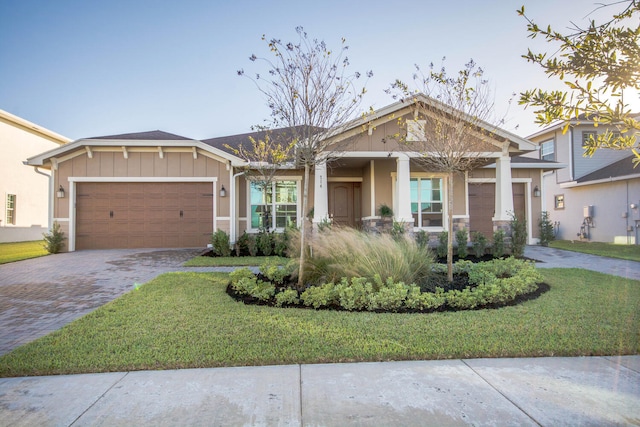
[(445, 198), (298, 180), (550, 142)]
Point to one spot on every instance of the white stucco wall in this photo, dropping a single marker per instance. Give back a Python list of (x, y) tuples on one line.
[(18, 142), (611, 201)]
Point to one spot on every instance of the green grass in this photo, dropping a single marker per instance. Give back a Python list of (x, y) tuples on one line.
[(11, 252), (207, 261), (629, 252), (584, 313)]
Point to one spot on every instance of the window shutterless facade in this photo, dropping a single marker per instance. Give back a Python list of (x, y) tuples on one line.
[(586, 136), (274, 206), (11, 209), (427, 202), (547, 151)]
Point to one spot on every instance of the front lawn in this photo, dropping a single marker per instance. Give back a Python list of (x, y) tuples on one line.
[(186, 320), (233, 261), (629, 252), (18, 251)]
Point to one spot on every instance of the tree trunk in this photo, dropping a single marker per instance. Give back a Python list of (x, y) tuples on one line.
[(450, 227), (303, 232)]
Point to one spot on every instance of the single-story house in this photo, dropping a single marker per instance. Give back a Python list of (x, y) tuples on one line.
[(156, 189), (24, 195)]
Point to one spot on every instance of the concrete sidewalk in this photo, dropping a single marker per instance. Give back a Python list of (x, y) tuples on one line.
[(596, 391)]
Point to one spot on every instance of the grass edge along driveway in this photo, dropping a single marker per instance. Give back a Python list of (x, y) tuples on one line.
[(584, 313), (18, 251)]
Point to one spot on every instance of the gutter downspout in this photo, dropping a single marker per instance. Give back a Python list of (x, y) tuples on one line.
[(49, 196)]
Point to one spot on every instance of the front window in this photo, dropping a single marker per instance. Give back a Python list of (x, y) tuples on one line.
[(587, 136), (11, 209), (274, 205), (426, 202), (547, 151)]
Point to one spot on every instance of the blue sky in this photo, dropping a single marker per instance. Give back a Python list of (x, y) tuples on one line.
[(89, 68)]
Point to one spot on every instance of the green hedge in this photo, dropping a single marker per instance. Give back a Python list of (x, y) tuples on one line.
[(496, 282)]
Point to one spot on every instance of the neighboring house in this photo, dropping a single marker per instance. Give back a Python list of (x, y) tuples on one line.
[(594, 198), (24, 192), (155, 189)]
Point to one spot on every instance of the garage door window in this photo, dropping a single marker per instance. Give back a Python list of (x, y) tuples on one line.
[(274, 207)]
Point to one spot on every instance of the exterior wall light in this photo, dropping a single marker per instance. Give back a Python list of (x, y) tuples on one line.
[(60, 193), (223, 192), (536, 191)]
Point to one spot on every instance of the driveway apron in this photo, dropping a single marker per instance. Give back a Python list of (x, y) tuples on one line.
[(41, 295)]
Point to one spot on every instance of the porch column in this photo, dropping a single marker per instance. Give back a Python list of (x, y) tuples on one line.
[(320, 194), (504, 191), (403, 190)]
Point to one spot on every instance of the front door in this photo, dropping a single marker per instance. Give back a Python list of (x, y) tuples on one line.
[(343, 208)]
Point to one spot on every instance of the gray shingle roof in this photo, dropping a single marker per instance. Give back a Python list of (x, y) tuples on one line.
[(235, 141), (620, 168), (153, 135)]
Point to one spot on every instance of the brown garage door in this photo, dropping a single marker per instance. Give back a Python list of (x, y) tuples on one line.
[(143, 215), (482, 206)]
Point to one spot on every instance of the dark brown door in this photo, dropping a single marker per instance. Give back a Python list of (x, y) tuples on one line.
[(482, 206), (143, 215), (344, 203)]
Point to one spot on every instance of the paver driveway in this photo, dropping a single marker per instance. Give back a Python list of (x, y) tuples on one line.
[(40, 295)]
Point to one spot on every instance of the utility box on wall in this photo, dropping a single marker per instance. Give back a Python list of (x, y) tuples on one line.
[(588, 211)]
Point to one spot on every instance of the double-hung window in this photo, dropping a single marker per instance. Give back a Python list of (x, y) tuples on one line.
[(274, 205), (547, 151), (11, 209), (427, 202)]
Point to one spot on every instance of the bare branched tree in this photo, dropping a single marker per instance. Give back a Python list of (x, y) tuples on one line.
[(309, 89), (265, 152), (449, 131)]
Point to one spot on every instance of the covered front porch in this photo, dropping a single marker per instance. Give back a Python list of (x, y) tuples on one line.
[(351, 189)]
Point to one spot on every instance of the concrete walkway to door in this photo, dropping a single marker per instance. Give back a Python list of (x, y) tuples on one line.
[(41, 295)]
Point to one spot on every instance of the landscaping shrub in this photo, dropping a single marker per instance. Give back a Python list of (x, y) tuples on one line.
[(354, 294), (242, 244), (276, 273), (518, 236), (389, 296), (320, 296), (252, 244), (462, 236), (546, 229), (478, 243), (493, 283), (498, 243), (385, 211), (397, 230), (265, 243), (422, 239), (287, 297), (220, 243), (54, 240), (442, 249)]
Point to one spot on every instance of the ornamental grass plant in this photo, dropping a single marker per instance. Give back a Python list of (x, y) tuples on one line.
[(338, 252)]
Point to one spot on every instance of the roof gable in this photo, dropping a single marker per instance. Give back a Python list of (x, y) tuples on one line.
[(153, 135), (402, 107)]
